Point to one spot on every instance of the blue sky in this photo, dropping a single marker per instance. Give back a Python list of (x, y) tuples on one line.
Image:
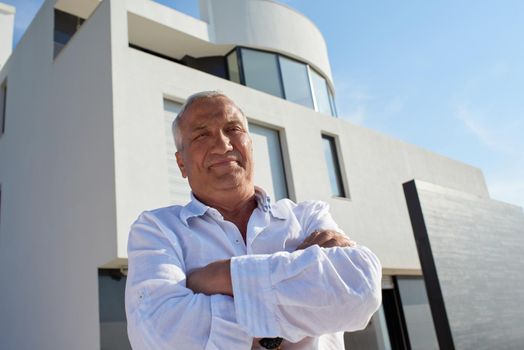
[(445, 75)]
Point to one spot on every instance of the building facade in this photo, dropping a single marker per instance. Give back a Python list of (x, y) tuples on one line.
[(88, 97)]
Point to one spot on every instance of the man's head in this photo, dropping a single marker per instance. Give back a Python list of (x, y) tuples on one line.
[(214, 148)]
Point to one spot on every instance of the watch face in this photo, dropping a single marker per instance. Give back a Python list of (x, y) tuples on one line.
[(271, 343)]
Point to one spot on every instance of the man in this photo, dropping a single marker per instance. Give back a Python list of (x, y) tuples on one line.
[(231, 270)]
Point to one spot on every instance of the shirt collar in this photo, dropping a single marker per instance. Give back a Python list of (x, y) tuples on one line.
[(192, 209), (264, 204), (196, 208)]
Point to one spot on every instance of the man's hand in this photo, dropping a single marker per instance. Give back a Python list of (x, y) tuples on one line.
[(327, 239), (214, 278)]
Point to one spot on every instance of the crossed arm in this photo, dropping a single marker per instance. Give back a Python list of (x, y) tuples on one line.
[(325, 286), (215, 278)]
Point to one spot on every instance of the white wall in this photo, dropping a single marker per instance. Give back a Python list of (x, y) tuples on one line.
[(375, 165), (85, 152), (269, 25), (57, 174), (7, 21)]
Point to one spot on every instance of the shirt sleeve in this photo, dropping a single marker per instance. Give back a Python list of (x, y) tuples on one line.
[(161, 312), (309, 292)]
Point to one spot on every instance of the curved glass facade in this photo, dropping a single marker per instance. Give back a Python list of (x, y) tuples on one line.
[(281, 76)]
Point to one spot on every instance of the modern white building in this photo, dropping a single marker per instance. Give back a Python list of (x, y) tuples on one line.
[(88, 96)]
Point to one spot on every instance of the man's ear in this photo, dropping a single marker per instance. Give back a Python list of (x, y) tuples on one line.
[(180, 163)]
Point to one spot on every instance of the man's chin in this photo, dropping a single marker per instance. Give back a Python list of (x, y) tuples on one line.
[(226, 170)]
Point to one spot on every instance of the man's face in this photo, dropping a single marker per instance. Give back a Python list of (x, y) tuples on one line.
[(216, 152)]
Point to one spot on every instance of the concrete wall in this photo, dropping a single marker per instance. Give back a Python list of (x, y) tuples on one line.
[(471, 255), (7, 21), (57, 175), (375, 165), (269, 25), (85, 152)]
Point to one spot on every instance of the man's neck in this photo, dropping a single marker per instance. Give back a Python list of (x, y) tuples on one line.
[(235, 206)]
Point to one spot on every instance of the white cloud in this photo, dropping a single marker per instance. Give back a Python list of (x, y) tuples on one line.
[(496, 132), (503, 136)]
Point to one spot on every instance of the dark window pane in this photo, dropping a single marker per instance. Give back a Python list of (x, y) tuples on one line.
[(296, 82), (215, 65), (321, 93), (113, 324), (261, 71), (66, 26), (3, 106), (335, 177), (232, 66)]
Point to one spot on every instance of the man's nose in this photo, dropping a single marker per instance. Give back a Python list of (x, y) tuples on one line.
[(222, 143)]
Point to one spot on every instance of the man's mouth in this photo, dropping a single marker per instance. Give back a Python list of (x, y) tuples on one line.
[(224, 163)]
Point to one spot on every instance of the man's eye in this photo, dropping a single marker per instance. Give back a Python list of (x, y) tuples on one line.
[(235, 129), (200, 136)]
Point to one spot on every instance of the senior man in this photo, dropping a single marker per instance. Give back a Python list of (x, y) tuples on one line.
[(232, 270)]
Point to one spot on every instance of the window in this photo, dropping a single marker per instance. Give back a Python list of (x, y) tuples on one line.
[(113, 324), (261, 71), (417, 313), (66, 26), (178, 186), (232, 67), (269, 163), (322, 94), (296, 82), (335, 175), (3, 106)]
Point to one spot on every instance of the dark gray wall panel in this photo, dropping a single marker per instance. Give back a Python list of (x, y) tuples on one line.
[(472, 256)]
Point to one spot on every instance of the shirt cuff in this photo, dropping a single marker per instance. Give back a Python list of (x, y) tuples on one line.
[(225, 332), (254, 297)]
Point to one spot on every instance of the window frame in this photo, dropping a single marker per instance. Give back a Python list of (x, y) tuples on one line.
[(240, 63), (284, 154), (340, 172), (240, 58), (3, 110), (308, 78)]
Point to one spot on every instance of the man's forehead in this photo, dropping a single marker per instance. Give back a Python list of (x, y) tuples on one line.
[(207, 109)]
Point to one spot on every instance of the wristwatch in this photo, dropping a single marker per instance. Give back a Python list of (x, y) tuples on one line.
[(271, 343)]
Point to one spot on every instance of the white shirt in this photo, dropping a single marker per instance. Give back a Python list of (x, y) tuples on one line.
[(308, 297)]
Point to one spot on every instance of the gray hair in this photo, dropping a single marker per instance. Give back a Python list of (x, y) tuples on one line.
[(175, 127)]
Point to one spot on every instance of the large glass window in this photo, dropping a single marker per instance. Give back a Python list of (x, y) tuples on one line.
[(269, 163), (3, 106), (296, 82), (333, 165), (417, 313), (321, 91), (261, 71)]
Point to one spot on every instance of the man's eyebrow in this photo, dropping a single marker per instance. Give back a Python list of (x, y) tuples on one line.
[(234, 122), (199, 128)]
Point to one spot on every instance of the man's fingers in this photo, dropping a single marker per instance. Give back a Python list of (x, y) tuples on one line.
[(307, 242), (338, 243), (327, 239)]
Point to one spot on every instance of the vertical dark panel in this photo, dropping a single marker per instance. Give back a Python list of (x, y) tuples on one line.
[(3, 106), (436, 300)]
